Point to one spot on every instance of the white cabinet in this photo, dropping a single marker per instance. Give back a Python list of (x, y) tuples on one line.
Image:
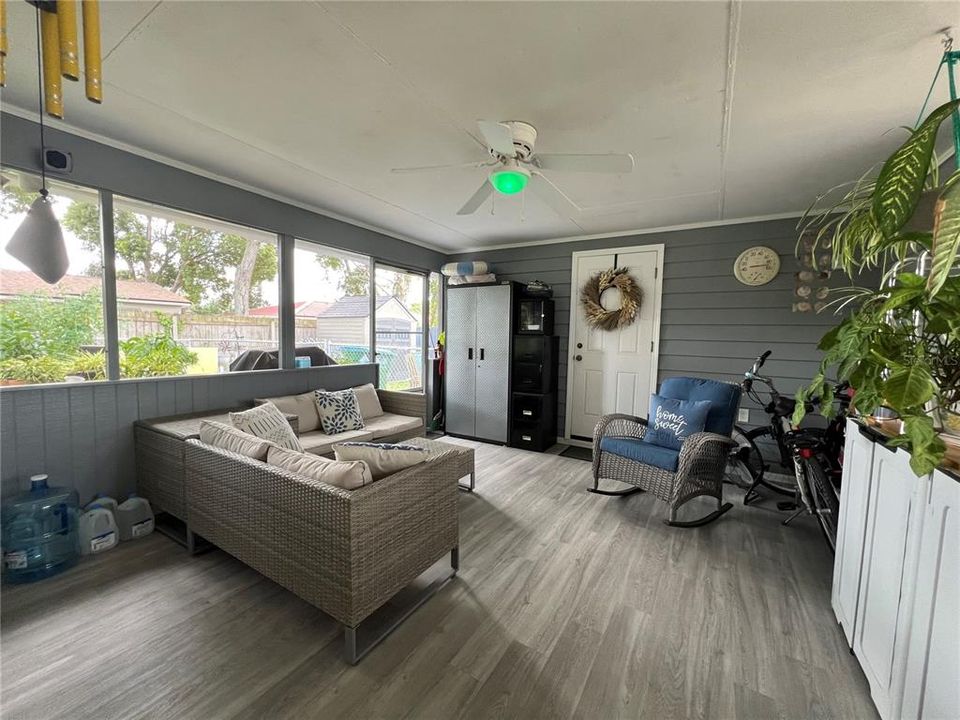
[(886, 574), (932, 683), (851, 526), (896, 582)]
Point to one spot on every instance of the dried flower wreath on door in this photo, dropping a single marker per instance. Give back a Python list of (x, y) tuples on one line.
[(621, 317)]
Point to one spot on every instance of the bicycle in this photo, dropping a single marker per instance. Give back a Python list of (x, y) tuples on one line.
[(816, 455)]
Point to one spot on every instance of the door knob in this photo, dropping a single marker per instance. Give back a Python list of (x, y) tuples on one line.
[(579, 346), (578, 358)]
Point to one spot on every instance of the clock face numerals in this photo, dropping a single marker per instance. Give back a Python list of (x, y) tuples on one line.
[(757, 266)]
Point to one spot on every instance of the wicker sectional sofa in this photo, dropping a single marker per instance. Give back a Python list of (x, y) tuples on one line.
[(160, 444), (344, 551)]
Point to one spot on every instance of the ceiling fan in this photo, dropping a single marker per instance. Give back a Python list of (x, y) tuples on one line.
[(514, 165)]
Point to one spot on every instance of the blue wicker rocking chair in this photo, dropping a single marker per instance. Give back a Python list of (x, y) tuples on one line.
[(674, 476)]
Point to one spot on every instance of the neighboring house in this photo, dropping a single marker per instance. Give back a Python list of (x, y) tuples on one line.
[(304, 308), (347, 322), (132, 295)]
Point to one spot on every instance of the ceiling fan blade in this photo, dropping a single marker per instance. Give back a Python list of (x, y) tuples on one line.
[(476, 200), (428, 168), (614, 164), (498, 137), (553, 196)]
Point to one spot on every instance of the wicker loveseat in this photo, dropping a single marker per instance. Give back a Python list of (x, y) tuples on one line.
[(345, 551)]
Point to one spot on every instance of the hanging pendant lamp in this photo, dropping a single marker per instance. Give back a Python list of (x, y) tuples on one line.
[(38, 242)]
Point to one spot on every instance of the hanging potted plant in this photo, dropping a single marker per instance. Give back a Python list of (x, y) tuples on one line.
[(900, 345)]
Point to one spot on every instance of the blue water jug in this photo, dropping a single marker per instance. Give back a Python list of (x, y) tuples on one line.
[(40, 532)]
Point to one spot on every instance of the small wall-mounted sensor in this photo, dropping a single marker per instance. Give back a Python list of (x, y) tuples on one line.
[(743, 415), (57, 161)]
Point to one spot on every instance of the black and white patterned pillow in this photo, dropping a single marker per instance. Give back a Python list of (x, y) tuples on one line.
[(339, 411)]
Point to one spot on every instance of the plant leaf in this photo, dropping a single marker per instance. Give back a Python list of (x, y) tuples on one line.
[(902, 177), (946, 238), (908, 387), (926, 447)]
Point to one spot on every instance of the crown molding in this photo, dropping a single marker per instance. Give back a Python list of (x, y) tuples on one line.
[(638, 231)]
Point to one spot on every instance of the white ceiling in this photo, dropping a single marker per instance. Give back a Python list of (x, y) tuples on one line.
[(732, 110)]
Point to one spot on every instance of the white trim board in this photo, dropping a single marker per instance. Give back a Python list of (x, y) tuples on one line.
[(654, 353)]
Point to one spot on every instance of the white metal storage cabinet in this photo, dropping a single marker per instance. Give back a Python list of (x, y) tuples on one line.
[(479, 329), (932, 683), (894, 513), (851, 526)]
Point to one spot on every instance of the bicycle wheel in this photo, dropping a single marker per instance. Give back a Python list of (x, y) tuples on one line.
[(826, 503), (744, 464), (787, 486)]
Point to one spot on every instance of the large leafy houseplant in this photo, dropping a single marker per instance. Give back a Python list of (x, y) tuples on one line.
[(900, 345)]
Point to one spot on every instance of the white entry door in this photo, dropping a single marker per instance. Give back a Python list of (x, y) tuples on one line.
[(613, 371)]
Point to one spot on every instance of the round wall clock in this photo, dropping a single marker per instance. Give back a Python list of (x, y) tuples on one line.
[(756, 266)]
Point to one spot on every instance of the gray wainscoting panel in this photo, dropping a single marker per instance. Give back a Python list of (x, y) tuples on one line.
[(82, 434), (711, 325)]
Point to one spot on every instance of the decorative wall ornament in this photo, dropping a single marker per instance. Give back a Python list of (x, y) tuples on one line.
[(630, 295), (812, 287)]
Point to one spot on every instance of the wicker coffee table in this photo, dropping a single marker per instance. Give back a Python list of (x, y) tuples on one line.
[(464, 458)]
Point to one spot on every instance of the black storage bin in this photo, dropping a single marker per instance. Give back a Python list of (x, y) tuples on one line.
[(534, 316), (535, 349), (535, 408), (531, 436), (532, 378)]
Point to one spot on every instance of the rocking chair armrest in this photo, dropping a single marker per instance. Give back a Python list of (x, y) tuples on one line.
[(705, 450), (618, 425)]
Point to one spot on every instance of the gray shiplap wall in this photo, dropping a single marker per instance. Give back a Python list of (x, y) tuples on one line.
[(82, 434), (711, 325)]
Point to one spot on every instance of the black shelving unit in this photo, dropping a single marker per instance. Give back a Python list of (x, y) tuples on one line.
[(535, 358)]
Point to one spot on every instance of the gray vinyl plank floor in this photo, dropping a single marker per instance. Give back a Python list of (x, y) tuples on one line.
[(567, 605)]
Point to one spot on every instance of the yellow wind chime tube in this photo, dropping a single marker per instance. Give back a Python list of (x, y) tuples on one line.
[(69, 55), (3, 42), (91, 50), (50, 47)]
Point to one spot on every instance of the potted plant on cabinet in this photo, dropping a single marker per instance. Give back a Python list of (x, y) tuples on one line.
[(900, 345)]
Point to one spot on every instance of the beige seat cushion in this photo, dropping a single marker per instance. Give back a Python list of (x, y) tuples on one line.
[(347, 475), (390, 424), (320, 444), (303, 406), (229, 438), (369, 402), (382, 458)]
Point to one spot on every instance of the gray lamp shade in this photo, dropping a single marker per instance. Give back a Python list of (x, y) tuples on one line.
[(38, 242)]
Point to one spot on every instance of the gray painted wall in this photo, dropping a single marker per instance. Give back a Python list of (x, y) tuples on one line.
[(82, 434), (711, 325), (101, 166)]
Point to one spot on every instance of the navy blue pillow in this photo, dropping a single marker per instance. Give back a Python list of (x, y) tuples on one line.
[(671, 421)]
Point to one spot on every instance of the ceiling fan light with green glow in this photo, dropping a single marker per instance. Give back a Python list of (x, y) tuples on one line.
[(509, 179)]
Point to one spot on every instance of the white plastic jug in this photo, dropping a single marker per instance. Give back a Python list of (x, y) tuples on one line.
[(98, 530), (135, 518), (105, 501)]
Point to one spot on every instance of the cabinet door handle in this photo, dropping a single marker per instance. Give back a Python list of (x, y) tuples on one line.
[(470, 354), (578, 358), (481, 353)]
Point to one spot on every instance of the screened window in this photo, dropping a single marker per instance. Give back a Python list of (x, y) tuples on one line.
[(51, 333), (332, 301), (195, 295)]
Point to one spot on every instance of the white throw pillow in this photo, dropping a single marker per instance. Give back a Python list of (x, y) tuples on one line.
[(267, 422), (369, 401), (339, 411), (346, 475), (383, 458), (228, 438)]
